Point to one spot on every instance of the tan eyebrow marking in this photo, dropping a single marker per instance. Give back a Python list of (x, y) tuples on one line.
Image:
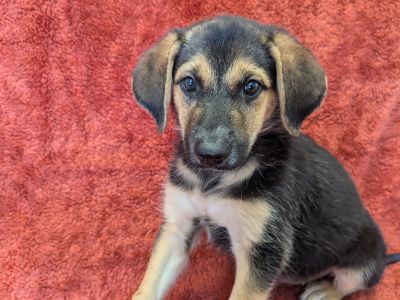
[(242, 67), (201, 66)]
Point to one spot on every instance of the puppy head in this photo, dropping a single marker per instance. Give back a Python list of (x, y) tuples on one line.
[(227, 75)]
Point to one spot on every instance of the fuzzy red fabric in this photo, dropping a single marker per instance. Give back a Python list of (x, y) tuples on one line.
[(81, 165)]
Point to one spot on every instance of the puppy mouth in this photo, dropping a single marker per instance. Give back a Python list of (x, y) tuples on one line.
[(215, 168), (227, 165)]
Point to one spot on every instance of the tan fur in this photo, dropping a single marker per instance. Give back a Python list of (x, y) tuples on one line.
[(182, 108), (349, 280), (346, 281), (242, 68), (200, 64), (163, 49), (188, 113), (230, 178), (168, 257), (321, 290), (243, 287), (250, 118), (288, 47), (326, 90)]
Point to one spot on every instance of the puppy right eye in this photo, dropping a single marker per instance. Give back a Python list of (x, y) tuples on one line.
[(188, 84), (252, 87)]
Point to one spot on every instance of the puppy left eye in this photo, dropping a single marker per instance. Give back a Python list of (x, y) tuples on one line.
[(252, 87), (188, 84)]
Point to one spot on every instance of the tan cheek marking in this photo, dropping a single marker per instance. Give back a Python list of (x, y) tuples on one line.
[(260, 112), (237, 118), (188, 113), (201, 66), (250, 118), (241, 67), (181, 107)]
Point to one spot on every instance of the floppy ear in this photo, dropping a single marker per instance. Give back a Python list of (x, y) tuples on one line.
[(152, 77), (300, 79)]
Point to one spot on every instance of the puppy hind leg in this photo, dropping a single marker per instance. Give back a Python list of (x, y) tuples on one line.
[(347, 280), (321, 290), (351, 279)]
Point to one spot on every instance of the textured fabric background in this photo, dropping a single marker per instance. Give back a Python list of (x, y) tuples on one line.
[(81, 165)]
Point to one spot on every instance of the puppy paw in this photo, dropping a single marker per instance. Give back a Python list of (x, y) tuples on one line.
[(321, 290), (136, 297), (142, 296)]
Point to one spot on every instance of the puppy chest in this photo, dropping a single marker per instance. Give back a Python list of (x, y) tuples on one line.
[(183, 206), (244, 220)]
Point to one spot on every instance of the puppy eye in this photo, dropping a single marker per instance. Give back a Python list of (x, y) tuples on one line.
[(252, 87), (188, 84)]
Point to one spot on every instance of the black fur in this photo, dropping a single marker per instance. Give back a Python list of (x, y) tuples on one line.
[(219, 236), (178, 179)]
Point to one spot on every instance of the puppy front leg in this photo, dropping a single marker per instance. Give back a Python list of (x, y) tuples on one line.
[(168, 258), (258, 265), (247, 285)]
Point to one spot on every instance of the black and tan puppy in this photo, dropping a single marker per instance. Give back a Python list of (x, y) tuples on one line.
[(280, 203)]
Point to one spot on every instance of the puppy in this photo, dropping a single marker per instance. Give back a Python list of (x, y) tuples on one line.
[(282, 205)]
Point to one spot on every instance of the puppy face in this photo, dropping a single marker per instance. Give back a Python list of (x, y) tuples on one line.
[(223, 92), (227, 76)]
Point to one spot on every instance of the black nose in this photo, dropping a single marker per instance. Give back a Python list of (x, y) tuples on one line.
[(211, 153)]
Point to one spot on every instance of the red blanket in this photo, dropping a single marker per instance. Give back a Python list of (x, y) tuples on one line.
[(81, 165)]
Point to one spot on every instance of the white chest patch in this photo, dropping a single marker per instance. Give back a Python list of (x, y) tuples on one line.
[(245, 219)]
